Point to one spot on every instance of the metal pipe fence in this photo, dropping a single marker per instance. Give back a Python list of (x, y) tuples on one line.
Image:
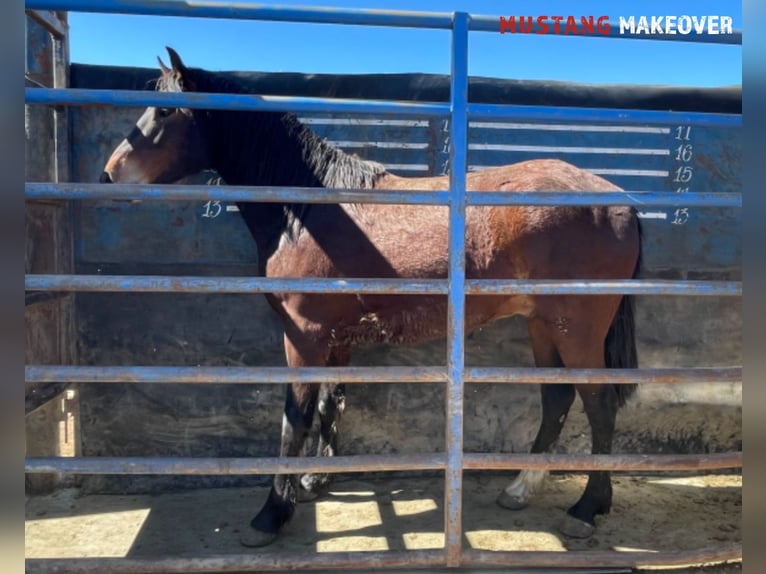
[(454, 374)]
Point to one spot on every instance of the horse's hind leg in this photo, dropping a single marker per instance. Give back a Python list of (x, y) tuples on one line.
[(579, 328), (600, 403), (300, 404), (556, 401), (332, 401)]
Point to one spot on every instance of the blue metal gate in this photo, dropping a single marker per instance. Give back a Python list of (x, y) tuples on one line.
[(454, 374)]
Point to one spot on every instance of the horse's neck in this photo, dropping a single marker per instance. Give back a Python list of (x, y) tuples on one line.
[(274, 149)]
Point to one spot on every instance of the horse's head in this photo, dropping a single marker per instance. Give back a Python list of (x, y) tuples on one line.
[(165, 144)]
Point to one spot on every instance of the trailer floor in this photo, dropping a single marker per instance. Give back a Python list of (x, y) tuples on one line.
[(649, 513)]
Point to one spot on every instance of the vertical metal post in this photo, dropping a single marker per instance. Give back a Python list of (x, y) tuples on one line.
[(453, 488)]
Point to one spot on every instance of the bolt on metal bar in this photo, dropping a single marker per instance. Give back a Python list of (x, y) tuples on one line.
[(193, 284), (458, 151), (168, 192)]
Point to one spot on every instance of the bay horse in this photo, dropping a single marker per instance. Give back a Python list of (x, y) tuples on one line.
[(384, 241)]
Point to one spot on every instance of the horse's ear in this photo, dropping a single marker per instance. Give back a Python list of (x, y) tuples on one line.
[(180, 70), (175, 61), (163, 67)]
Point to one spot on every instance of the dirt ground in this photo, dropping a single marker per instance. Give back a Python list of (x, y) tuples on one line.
[(649, 513)]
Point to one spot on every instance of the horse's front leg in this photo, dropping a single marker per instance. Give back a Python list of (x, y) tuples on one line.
[(300, 404), (331, 403)]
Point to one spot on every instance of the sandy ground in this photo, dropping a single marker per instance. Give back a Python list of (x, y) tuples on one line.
[(649, 513)]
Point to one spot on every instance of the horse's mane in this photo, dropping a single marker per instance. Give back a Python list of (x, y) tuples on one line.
[(319, 164)]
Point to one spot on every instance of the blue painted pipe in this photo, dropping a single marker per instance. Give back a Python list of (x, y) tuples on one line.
[(495, 112), (499, 112), (367, 375), (232, 193), (180, 284), (124, 191), (243, 102), (328, 15), (458, 158)]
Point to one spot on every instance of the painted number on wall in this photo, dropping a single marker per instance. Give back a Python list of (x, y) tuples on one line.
[(211, 209), (683, 172)]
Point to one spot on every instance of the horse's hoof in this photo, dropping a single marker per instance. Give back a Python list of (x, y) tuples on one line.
[(576, 528), (253, 538), (510, 501)]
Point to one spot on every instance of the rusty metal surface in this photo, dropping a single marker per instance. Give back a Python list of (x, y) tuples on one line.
[(368, 375), (378, 560), (379, 463), (176, 284)]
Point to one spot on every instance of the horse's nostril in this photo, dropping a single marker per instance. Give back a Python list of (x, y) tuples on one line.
[(105, 178)]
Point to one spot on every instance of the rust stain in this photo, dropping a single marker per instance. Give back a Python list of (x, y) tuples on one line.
[(709, 164), (177, 222)]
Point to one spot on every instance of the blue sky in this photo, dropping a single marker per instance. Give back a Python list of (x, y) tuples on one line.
[(220, 44)]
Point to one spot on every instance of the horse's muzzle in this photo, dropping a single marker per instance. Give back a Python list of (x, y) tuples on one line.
[(105, 178)]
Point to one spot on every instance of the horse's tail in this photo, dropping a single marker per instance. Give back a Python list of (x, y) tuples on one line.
[(620, 346)]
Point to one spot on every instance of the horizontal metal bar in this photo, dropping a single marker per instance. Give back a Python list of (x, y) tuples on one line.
[(235, 563), (601, 287), (545, 376), (375, 560), (489, 23), (234, 466), (590, 198), (281, 375), (179, 284), (234, 102), (232, 375), (378, 463), (173, 192), (244, 102), (50, 22), (328, 15), (600, 115), (601, 558), (612, 462), (189, 284), (232, 193), (247, 11)]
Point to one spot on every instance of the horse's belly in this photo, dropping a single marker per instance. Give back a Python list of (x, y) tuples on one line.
[(422, 319)]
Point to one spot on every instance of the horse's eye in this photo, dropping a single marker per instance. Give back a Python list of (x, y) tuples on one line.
[(164, 112)]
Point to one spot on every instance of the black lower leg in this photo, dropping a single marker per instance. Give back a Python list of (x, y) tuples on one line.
[(332, 400), (601, 408), (280, 505), (556, 401)]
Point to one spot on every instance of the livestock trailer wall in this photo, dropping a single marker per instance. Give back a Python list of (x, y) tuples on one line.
[(208, 238), (50, 339)]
